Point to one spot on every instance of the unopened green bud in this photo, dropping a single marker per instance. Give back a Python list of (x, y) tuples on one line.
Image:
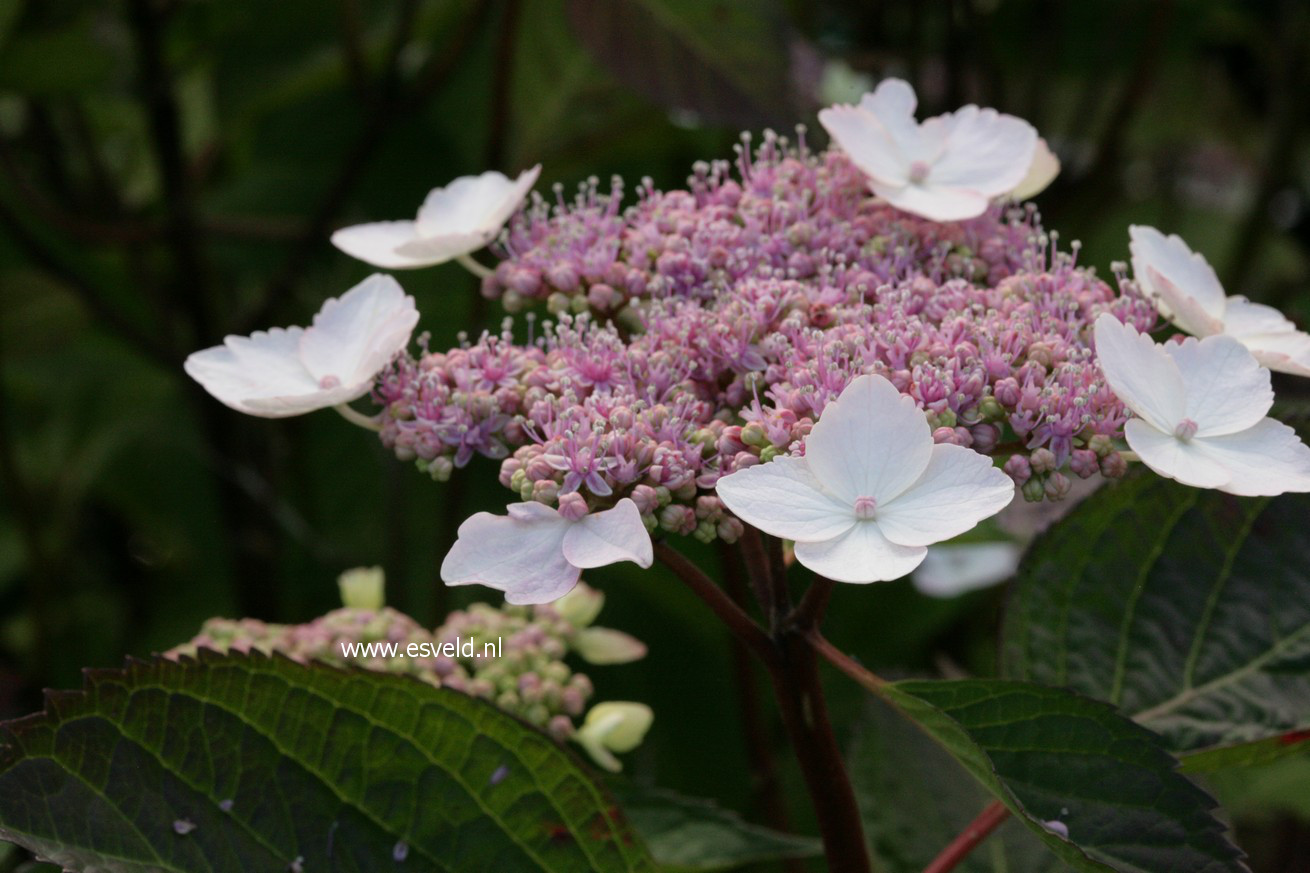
[(1101, 444), (752, 434), (362, 588), (768, 453), (991, 409), (557, 303), (602, 645), (581, 605), (441, 468), (614, 726)]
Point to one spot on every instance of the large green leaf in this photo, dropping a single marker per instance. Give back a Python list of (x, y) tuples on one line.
[(911, 813), (1187, 609), (1097, 789), (250, 763), (687, 834)]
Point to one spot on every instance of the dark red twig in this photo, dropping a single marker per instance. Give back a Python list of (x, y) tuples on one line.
[(969, 839)]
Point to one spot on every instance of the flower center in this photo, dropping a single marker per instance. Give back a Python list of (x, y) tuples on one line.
[(1186, 429), (919, 171), (865, 507), (329, 382)]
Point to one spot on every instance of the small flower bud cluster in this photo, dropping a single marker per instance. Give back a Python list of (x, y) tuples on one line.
[(703, 330), (527, 676)]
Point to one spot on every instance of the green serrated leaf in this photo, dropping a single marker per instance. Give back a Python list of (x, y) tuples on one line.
[(1097, 789), (686, 833), (244, 762), (1188, 609), (911, 813)]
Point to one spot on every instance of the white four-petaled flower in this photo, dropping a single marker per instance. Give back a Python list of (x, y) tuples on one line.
[(535, 554), (291, 371), (872, 491), (1201, 407), (948, 168), (453, 221), (1188, 292)]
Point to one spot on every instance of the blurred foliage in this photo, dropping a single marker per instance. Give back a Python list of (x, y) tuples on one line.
[(170, 171)]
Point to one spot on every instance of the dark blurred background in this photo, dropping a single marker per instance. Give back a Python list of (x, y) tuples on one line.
[(170, 172)]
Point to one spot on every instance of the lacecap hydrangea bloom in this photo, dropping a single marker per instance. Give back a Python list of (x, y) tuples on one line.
[(703, 331), (656, 349)]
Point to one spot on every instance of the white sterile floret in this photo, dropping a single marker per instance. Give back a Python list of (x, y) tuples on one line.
[(947, 168), (1189, 294), (1201, 407), (535, 554), (291, 371), (872, 491), (455, 220)]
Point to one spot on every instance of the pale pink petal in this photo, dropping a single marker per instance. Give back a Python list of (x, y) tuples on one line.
[(892, 98), (934, 203), (1041, 173), (893, 103), (872, 441), (522, 556), (432, 250), (1226, 389), (1284, 352), (860, 555), (1265, 460), (1180, 307), (1242, 318), (259, 375), (784, 499), (1272, 338), (608, 537), (867, 143), (476, 206), (1174, 458), (949, 571), (1140, 373), (1165, 267), (354, 337), (987, 152), (958, 489), (378, 243)]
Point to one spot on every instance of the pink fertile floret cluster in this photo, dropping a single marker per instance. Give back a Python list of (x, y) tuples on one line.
[(703, 330)]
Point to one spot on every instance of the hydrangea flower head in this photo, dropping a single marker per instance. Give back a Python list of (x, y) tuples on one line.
[(291, 371), (536, 553), (1189, 293), (873, 489), (455, 220), (947, 168), (1201, 407), (703, 330)]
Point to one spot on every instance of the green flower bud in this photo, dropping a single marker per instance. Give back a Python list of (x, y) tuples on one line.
[(362, 588), (614, 726)]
